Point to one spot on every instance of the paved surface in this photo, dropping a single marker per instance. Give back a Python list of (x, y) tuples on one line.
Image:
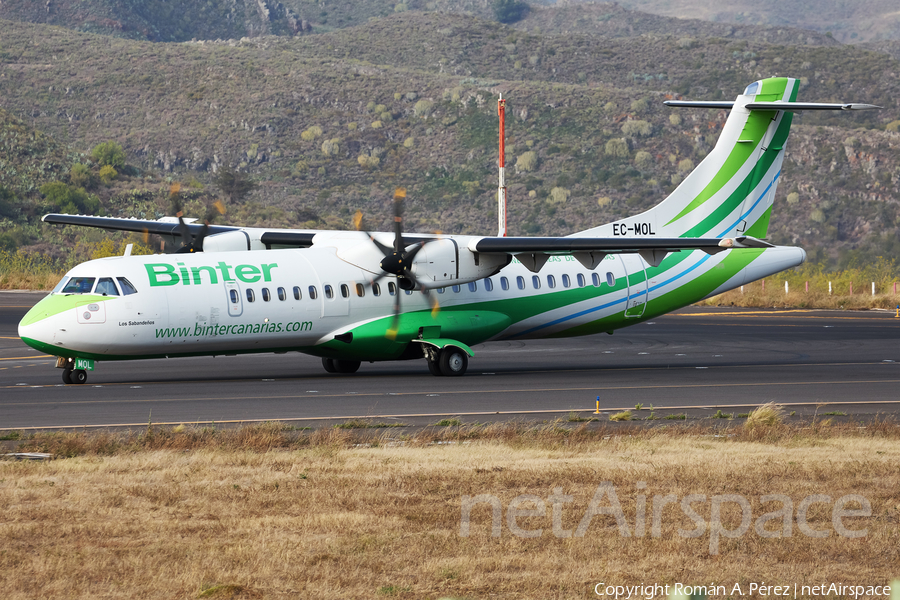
[(709, 358)]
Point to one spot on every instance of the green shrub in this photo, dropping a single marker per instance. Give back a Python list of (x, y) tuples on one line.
[(527, 162), (423, 108), (107, 174), (69, 200), (617, 147), (109, 153)]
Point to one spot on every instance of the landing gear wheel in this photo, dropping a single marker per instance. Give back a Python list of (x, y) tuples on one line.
[(347, 366), (328, 365), (78, 376), (433, 367), (454, 362), (67, 376)]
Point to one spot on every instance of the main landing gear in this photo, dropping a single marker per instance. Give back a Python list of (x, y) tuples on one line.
[(448, 362), (334, 365)]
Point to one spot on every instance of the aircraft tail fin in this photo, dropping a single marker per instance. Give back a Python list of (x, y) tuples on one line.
[(730, 193)]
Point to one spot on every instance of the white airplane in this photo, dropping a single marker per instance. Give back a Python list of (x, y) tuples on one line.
[(348, 297)]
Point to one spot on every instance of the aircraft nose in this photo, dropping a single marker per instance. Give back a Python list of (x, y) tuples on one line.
[(35, 328)]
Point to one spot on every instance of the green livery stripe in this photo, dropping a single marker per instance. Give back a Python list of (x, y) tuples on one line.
[(760, 229), (754, 129), (57, 303), (685, 294), (713, 220)]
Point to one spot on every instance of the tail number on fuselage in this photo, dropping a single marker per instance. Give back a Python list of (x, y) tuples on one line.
[(633, 229)]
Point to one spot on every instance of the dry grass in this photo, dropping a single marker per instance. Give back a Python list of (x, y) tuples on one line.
[(268, 512), (766, 415)]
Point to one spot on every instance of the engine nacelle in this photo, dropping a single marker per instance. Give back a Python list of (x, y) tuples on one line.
[(442, 262), (232, 241)]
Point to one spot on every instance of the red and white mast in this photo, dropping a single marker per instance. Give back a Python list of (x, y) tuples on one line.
[(501, 190)]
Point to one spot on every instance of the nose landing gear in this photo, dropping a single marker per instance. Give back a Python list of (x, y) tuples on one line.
[(70, 374)]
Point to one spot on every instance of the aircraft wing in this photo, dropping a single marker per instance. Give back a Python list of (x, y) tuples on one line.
[(164, 227), (533, 252)]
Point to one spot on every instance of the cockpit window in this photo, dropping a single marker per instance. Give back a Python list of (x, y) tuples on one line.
[(127, 288), (752, 89), (59, 286), (106, 287), (79, 285)]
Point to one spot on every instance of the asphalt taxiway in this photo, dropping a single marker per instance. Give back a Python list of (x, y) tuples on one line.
[(696, 360)]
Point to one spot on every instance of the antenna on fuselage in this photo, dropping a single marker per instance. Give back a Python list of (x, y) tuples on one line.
[(501, 190)]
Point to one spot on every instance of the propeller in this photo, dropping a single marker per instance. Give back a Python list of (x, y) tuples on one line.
[(398, 261), (189, 243)]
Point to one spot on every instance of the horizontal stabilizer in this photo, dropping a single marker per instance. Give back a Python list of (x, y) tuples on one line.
[(787, 106), (798, 106)]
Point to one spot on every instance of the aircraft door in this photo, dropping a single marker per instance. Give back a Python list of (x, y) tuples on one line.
[(637, 290), (336, 298), (233, 297)]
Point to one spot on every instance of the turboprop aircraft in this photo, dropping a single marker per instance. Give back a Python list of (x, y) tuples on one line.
[(351, 296)]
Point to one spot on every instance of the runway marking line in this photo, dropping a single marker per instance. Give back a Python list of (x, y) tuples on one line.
[(27, 357), (3, 337), (432, 415), (604, 370), (593, 390)]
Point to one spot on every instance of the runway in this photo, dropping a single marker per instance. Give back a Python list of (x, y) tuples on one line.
[(693, 361)]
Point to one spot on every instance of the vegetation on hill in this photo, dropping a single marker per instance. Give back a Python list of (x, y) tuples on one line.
[(332, 123), (848, 22)]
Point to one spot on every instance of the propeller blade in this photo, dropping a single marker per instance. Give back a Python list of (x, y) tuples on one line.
[(399, 195), (432, 298), (391, 333)]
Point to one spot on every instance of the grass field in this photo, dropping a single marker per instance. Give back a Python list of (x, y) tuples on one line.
[(267, 512)]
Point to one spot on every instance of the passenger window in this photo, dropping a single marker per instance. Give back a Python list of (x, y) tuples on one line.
[(441, 290), (79, 285), (488, 284), (580, 280), (472, 286), (504, 283), (313, 293), (520, 282), (360, 290), (266, 295), (536, 282), (456, 289), (282, 295), (610, 279), (551, 281), (392, 288), (234, 296), (345, 290), (376, 289), (595, 279), (329, 292), (297, 294), (127, 288), (250, 295), (566, 281), (106, 287)]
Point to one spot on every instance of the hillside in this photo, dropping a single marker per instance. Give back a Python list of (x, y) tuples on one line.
[(848, 22), (334, 122), (611, 19)]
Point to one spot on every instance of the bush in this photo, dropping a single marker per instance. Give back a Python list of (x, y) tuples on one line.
[(643, 160), (617, 147), (559, 195), (311, 133), (423, 108), (527, 162), (109, 153), (80, 175), (69, 200), (510, 11), (107, 174), (331, 147), (637, 128), (685, 165)]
